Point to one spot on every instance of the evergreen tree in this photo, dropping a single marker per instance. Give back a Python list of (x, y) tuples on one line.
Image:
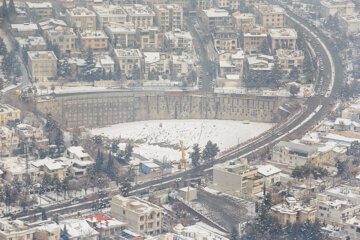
[(264, 47), (3, 49), (294, 89), (110, 165), (210, 151), (1, 83), (4, 10), (12, 9), (195, 155), (128, 152), (115, 146), (64, 69), (234, 234), (125, 188), (43, 215), (99, 161)]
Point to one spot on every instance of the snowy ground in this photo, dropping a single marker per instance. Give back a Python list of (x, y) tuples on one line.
[(160, 139)]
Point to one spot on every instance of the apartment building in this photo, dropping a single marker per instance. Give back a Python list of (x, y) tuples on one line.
[(290, 59), (96, 40), (292, 212), (31, 43), (293, 154), (78, 228), (228, 4), (42, 65), (334, 211), (121, 35), (270, 174), (8, 113), (24, 29), (231, 63), (284, 38), (81, 19), (169, 16), (204, 4), (238, 176), (105, 225), (50, 24), (141, 216), (182, 65), (215, 17), (15, 169), (129, 61), (140, 15), (150, 38), (352, 227), (254, 37), (8, 142), (67, 4), (64, 38), (225, 39), (349, 24), (110, 14), (39, 10), (178, 40), (15, 229), (241, 20), (261, 62), (156, 62), (270, 16), (333, 7)]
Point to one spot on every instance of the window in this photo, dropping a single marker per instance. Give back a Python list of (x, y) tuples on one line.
[(142, 218), (141, 227), (123, 212)]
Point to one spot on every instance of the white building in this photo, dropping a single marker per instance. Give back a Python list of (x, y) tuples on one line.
[(178, 39), (110, 14), (78, 229), (270, 173), (199, 231), (140, 15), (289, 59), (121, 35), (157, 62), (349, 24), (332, 7), (261, 62), (284, 38), (182, 65)]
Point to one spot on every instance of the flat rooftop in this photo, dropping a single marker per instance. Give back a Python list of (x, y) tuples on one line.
[(42, 55)]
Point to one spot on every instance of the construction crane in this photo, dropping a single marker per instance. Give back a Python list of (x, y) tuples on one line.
[(182, 161)]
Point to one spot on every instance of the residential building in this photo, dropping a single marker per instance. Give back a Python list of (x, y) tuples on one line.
[(149, 38), (110, 14), (24, 29), (343, 124), (333, 7), (81, 19), (225, 39), (204, 4), (52, 230), (14, 169), (157, 63), (141, 216), (169, 16), (106, 62), (334, 211), (39, 10), (8, 142), (81, 160), (179, 40), (67, 4), (284, 38), (52, 167), (352, 227), (187, 193), (290, 212), (238, 176), (349, 24), (294, 154), (121, 35), (96, 40), (64, 38), (261, 62), (254, 38), (348, 193), (289, 59), (50, 24), (32, 43), (15, 229), (228, 4), (182, 65), (140, 15), (8, 113), (270, 174), (129, 61), (270, 16), (241, 20), (78, 228), (231, 62), (42, 65), (105, 225), (215, 17), (29, 134)]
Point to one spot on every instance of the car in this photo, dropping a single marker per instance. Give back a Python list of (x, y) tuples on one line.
[(178, 179)]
